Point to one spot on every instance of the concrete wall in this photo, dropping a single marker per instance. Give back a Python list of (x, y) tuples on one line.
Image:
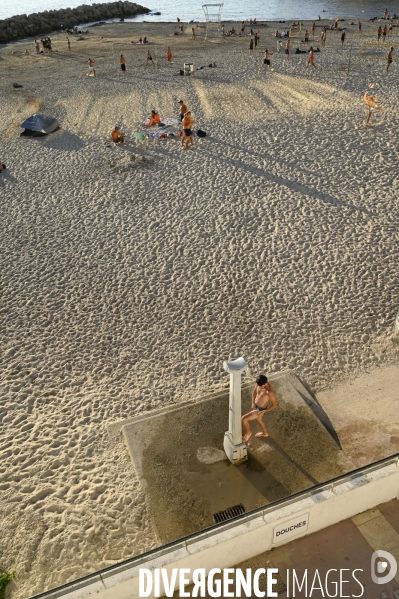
[(234, 542)]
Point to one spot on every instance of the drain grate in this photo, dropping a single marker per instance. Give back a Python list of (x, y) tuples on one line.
[(231, 512)]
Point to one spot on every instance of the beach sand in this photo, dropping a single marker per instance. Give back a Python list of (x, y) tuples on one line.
[(126, 283)]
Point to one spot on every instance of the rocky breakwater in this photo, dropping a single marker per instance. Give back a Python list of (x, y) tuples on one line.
[(40, 23)]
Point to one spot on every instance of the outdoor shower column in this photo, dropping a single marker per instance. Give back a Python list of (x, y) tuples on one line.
[(235, 449)]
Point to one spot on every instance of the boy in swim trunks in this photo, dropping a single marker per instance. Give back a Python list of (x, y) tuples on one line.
[(263, 400)]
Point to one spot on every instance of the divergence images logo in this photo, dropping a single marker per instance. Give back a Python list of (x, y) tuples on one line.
[(382, 566)]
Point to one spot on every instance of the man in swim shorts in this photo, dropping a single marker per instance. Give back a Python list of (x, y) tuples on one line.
[(371, 102), (390, 58), (263, 400), (122, 62), (266, 60), (187, 123), (91, 67)]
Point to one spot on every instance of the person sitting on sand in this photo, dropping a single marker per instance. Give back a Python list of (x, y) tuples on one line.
[(117, 136), (263, 400), (371, 102), (145, 41), (169, 54), (154, 119)]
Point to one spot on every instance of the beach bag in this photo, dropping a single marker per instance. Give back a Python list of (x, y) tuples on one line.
[(201, 133)]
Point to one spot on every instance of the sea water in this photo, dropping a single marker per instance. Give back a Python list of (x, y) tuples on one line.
[(233, 10)]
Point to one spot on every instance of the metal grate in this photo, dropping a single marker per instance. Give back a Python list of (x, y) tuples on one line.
[(231, 512)]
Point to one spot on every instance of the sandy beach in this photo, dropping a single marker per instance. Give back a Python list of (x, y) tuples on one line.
[(129, 273)]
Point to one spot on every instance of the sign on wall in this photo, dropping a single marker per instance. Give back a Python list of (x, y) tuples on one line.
[(290, 528)]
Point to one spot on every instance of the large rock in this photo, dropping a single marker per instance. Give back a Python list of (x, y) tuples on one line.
[(37, 24)]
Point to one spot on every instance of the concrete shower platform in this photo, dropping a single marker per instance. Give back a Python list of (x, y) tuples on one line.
[(183, 492)]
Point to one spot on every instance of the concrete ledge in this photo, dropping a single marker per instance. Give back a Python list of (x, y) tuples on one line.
[(249, 535)]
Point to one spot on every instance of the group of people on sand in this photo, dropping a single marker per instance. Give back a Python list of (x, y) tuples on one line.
[(46, 46)]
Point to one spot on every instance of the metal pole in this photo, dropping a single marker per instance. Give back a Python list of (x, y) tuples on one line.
[(349, 62)]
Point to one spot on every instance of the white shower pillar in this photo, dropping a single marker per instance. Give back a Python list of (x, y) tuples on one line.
[(235, 449)]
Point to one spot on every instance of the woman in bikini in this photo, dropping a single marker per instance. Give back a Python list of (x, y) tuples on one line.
[(263, 400)]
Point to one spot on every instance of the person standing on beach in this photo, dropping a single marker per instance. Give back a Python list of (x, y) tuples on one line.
[(122, 62), (263, 400), (359, 28), (323, 37), (183, 109), (149, 59), (69, 43), (306, 37), (313, 28), (384, 33), (187, 123), (266, 60), (379, 33), (251, 48), (371, 102), (343, 35), (311, 58), (390, 58), (169, 54), (91, 67), (37, 46)]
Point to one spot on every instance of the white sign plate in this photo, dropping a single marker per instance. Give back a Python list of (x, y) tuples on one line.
[(290, 528)]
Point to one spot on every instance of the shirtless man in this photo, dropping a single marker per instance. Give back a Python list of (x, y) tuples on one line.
[(390, 58), (91, 67), (183, 109), (187, 122), (117, 136), (263, 400), (122, 62), (371, 102), (266, 60)]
